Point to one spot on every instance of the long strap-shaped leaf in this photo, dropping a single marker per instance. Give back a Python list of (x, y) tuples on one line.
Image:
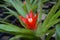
[(19, 36), (28, 5), (17, 6), (31, 1), (35, 1), (20, 3), (15, 14), (9, 28), (43, 29), (6, 17), (50, 33), (55, 16), (52, 21), (51, 13), (58, 32), (12, 12), (40, 16), (45, 0), (40, 9)]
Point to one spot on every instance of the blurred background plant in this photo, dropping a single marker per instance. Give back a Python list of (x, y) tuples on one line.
[(47, 23)]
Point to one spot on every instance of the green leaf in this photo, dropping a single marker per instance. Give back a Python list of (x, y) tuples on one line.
[(34, 7), (55, 16), (53, 21), (16, 37), (20, 3), (35, 1), (40, 16), (45, 0), (15, 14), (51, 13), (6, 17), (14, 29), (58, 32), (46, 24), (6, 0), (12, 12), (31, 1), (51, 32), (38, 30), (28, 5), (20, 36), (51, 24), (25, 37), (18, 7), (43, 30), (40, 5)]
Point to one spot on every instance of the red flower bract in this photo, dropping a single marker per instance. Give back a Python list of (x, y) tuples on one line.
[(30, 20)]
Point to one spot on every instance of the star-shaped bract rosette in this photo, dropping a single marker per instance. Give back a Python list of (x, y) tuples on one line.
[(30, 20)]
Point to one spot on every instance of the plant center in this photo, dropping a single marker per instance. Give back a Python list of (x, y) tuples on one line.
[(30, 20)]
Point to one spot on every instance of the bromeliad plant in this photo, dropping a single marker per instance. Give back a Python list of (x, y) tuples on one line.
[(29, 14)]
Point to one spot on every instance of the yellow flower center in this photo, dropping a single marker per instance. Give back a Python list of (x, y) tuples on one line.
[(30, 20)]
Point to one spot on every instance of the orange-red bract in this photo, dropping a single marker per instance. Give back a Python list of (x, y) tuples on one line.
[(30, 20)]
